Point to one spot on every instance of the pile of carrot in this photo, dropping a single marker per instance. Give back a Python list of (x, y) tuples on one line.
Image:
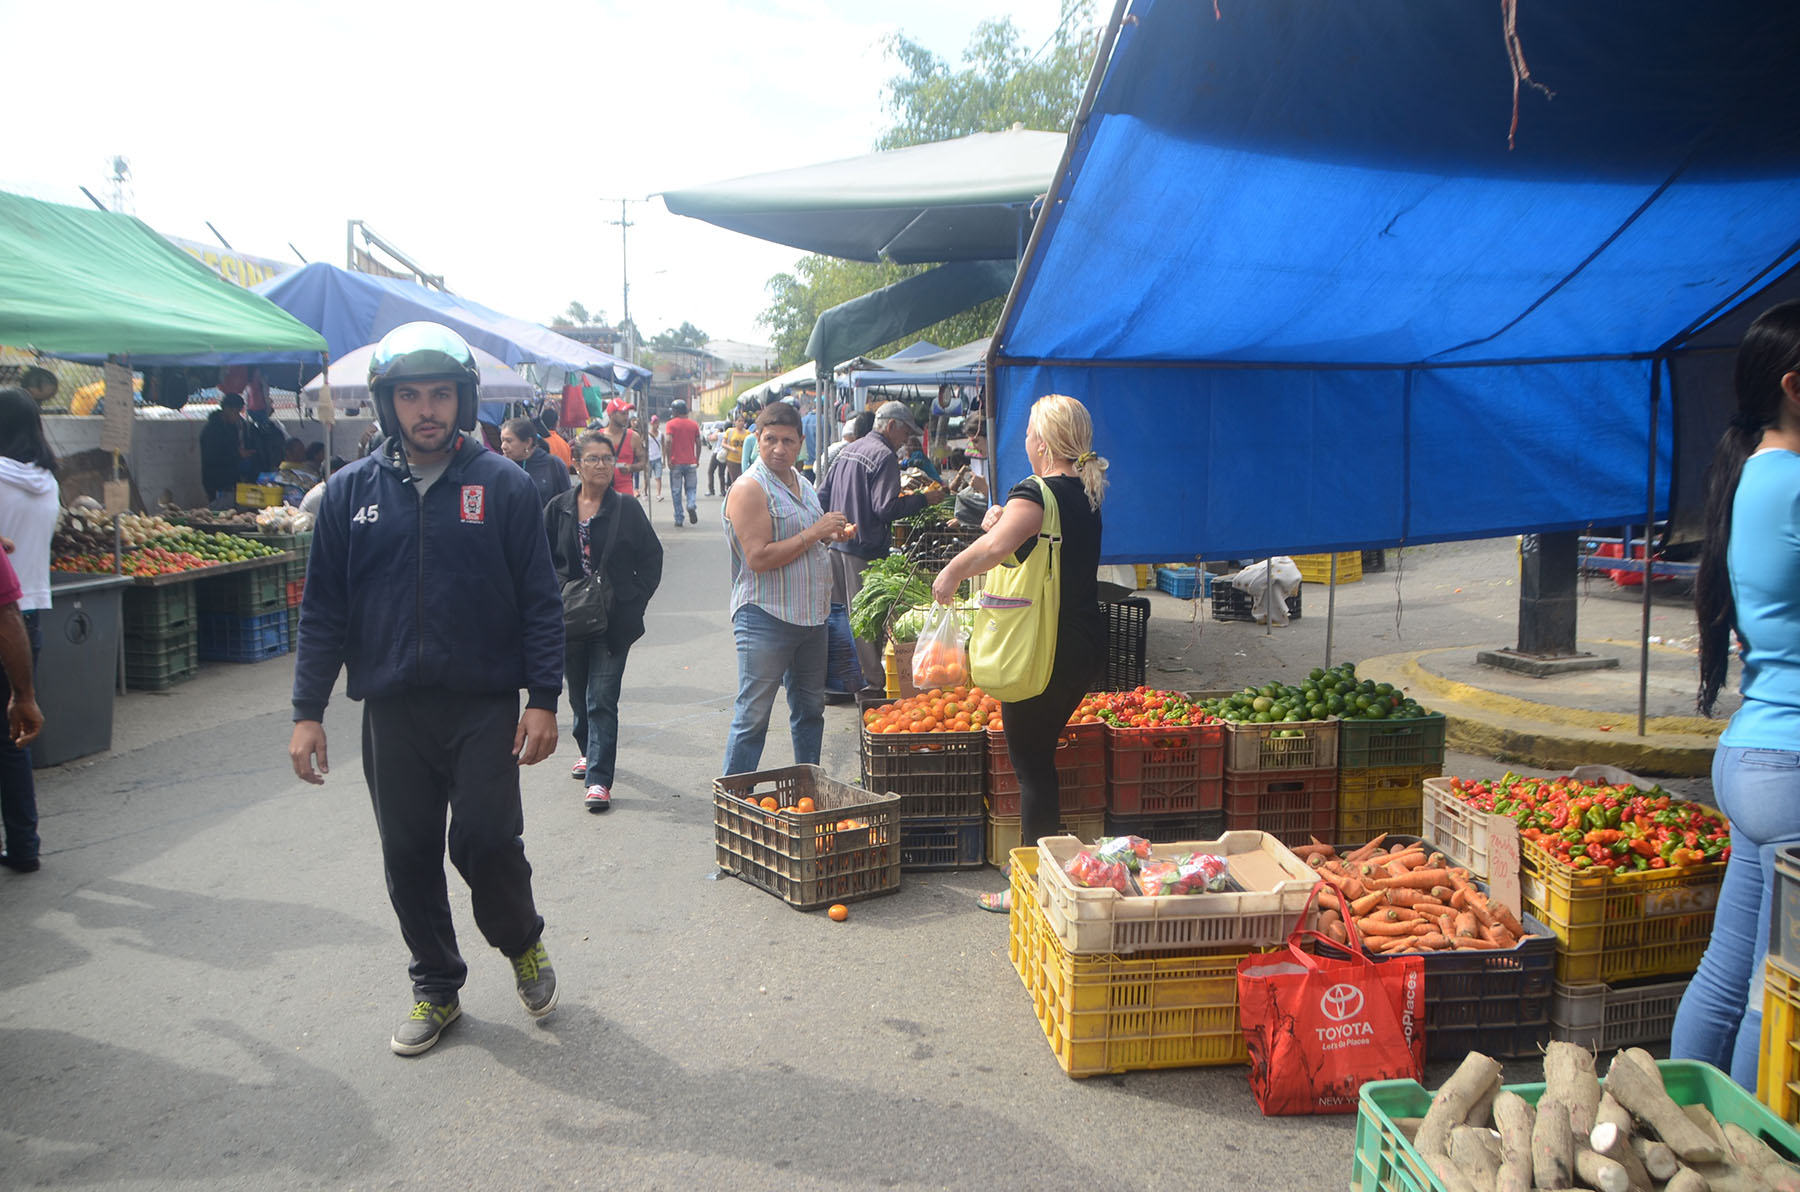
[(1405, 899)]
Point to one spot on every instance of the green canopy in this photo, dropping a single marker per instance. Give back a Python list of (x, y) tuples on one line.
[(75, 282)]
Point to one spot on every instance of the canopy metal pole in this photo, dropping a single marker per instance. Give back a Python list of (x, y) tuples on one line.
[(1268, 595), (1649, 527), (1330, 609)]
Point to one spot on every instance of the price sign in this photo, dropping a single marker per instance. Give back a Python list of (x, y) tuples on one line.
[(116, 496), (121, 416), (1503, 862)]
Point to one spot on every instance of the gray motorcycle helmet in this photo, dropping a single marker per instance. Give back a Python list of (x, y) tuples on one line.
[(424, 352)]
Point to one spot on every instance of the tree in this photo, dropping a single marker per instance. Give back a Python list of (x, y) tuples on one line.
[(579, 314), (685, 336), (999, 84)]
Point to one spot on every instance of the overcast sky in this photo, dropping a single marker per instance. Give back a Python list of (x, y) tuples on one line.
[(481, 138)]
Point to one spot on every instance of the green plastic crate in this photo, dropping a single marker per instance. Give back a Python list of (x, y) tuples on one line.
[(159, 611), (1386, 1162), (1370, 744), (158, 663), (245, 593)]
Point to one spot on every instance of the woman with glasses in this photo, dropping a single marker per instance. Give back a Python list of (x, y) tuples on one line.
[(595, 530)]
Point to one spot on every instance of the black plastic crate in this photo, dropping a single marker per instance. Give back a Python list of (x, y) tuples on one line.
[(158, 611), (846, 848), (1229, 604), (941, 842), (931, 547), (244, 594), (1127, 638), (938, 775), (157, 663), (1162, 829), (227, 638)]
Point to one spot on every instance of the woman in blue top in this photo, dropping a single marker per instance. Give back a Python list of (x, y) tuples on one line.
[(1749, 582)]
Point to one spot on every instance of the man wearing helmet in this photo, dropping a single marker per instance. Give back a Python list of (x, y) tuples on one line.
[(681, 437), (414, 545), (628, 446)]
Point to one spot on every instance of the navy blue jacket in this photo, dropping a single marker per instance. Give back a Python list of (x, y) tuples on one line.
[(454, 592)]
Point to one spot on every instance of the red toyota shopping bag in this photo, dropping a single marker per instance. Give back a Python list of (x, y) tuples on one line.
[(1319, 1027)]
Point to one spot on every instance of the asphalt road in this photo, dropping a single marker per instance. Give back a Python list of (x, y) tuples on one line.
[(200, 984)]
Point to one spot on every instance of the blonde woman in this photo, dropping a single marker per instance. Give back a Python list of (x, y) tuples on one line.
[(1059, 444)]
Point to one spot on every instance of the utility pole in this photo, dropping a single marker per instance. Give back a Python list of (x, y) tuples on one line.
[(624, 225)]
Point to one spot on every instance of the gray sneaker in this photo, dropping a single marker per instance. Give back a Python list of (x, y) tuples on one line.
[(536, 980), (424, 1026)]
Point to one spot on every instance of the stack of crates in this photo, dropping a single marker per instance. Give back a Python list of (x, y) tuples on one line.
[(1778, 1075), (941, 779), (1283, 779), (1382, 768), (1081, 787), (1316, 569), (1165, 783), (162, 642), (243, 616), (1137, 993)]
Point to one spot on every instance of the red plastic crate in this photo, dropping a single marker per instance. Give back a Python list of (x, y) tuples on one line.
[(1291, 805), (1165, 771), (296, 588), (1080, 771)]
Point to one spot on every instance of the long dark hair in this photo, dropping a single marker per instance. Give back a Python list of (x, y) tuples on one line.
[(22, 431), (1771, 350)]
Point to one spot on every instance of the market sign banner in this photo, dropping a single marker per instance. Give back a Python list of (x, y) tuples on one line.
[(235, 267)]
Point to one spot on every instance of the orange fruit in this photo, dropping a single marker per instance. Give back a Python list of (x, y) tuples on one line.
[(806, 805), (768, 803), (838, 912)]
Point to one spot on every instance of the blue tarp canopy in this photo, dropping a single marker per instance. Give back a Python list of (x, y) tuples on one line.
[(354, 309), (1315, 300)]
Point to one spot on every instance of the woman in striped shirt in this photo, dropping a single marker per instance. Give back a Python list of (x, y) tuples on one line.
[(780, 593)]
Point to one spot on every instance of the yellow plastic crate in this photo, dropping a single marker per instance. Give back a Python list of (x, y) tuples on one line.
[(1316, 569), (1146, 576), (1108, 1014), (1385, 799), (1778, 1075), (1620, 926), (1004, 832)]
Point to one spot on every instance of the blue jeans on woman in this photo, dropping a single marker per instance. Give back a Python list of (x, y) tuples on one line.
[(771, 654), (1720, 1018), (18, 789), (595, 672)]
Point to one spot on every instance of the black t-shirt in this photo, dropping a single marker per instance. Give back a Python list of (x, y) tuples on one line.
[(1080, 616)]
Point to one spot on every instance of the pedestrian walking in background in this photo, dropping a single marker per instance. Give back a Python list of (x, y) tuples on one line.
[(593, 530), (735, 434), (628, 447), (780, 594), (864, 486), (1749, 574), (1059, 444), (653, 446), (519, 442), (557, 445), (29, 506), (430, 582), (717, 474), (681, 438)]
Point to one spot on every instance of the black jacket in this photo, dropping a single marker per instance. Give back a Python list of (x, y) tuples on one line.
[(634, 566), (453, 592), (550, 474), (220, 440)]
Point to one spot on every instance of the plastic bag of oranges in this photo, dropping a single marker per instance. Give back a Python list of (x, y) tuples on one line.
[(940, 659)]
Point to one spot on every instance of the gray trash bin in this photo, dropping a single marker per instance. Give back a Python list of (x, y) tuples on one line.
[(78, 668)]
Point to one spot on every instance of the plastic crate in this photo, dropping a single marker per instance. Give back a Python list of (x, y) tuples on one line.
[(1183, 583), (930, 547), (1608, 1017), (243, 594), (1390, 799), (937, 775), (1385, 1160), (1619, 926), (1367, 744), (1194, 825), (1127, 642), (1006, 832), (1105, 921), (293, 620), (1229, 604), (1110, 1014), (1263, 748), (941, 842), (1080, 771), (153, 612), (225, 637), (1164, 771), (1293, 806), (157, 663), (1784, 915), (1459, 830), (804, 858), (1778, 1073), (1145, 576), (1316, 569), (296, 591)]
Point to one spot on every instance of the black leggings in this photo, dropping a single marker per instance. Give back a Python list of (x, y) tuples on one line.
[(1032, 729)]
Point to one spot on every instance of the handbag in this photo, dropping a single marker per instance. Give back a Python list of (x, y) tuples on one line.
[(1319, 1028), (588, 599), (1012, 647)]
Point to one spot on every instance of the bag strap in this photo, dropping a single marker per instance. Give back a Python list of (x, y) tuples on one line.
[(1302, 932)]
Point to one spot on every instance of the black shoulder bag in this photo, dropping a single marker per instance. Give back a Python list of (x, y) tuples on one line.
[(588, 599)]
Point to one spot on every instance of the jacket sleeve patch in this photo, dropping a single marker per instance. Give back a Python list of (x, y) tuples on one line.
[(474, 503)]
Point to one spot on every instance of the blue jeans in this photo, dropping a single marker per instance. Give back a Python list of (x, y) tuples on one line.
[(18, 789), (683, 477), (595, 673), (771, 654), (1720, 1019)]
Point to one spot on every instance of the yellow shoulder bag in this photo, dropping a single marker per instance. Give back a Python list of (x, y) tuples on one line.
[(1012, 648)]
